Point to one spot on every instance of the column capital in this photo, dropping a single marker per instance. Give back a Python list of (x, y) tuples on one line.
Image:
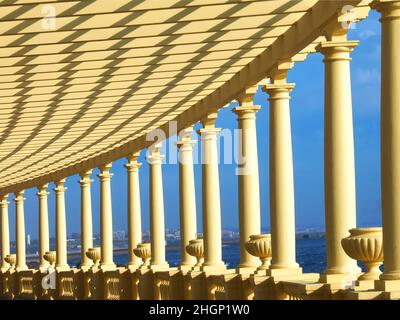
[(19, 196), (133, 164), (105, 173), (185, 138), (133, 157), (208, 133), (4, 200), (389, 9), (208, 121), (86, 175), (278, 73), (154, 156), (337, 50), (278, 91), (59, 186), (85, 178), (42, 190), (246, 111)]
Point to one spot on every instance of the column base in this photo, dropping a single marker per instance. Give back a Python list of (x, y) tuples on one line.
[(344, 280), (159, 267), (61, 268), (44, 268), (21, 268), (133, 267), (187, 267), (273, 272), (392, 275), (361, 285), (107, 266), (86, 267), (387, 285), (246, 269), (213, 268)]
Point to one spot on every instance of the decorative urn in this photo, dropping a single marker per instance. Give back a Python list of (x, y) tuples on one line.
[(365, 245), (259, 246), (143, 251), (94, 254), (51, 257), (11, 259), (196, 249)]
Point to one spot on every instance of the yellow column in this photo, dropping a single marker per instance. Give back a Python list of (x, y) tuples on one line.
[(157, 227), (106, 230), (43, 226), (134, 210), (390, 136), (282, 212), (340, 194), (187, 197), (5, 232), (211, 196), (20, 230), (86, 218), (248, 179), (61, 226)]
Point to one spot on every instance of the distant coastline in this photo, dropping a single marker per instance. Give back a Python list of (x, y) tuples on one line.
[(175, 246)]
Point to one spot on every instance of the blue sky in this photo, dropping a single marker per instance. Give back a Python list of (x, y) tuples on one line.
[(307, 139)]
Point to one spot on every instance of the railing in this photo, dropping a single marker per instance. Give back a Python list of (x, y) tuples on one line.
[(126, 284)]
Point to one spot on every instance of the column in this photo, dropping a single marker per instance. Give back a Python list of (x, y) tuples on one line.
[(86, 218), (106, 230), (282, 210), (43, 226), (248, 179), (134, 210), (211, 196), (5, 232), (20, 230), (157, 227), (187, 196), (390, 136), (61, 227), (340, 192)]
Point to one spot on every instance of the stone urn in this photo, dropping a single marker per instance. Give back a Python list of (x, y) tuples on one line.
[(196, 249), (94, 254), (11, 259), (143, 251), (259, 246), (365, 245), (51, 257)]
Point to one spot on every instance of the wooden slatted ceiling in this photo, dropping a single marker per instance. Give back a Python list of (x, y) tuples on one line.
[(112, 71)]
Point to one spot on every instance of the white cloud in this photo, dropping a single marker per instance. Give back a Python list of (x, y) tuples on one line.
[(367, 76)]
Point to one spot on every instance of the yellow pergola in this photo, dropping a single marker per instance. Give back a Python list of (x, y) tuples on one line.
[(82, 82)]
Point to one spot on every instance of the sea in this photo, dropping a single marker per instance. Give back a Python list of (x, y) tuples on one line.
[(310, 254)]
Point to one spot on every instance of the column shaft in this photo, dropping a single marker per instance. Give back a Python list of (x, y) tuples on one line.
[(211, 200), (86, 218), (282, 211), (157, 226), (5, 232), (248, 183), (43, 226), (187, 197), (106, 230), (61, 226), (20, 231), (134, 210), (390, 137), (340, 194)]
